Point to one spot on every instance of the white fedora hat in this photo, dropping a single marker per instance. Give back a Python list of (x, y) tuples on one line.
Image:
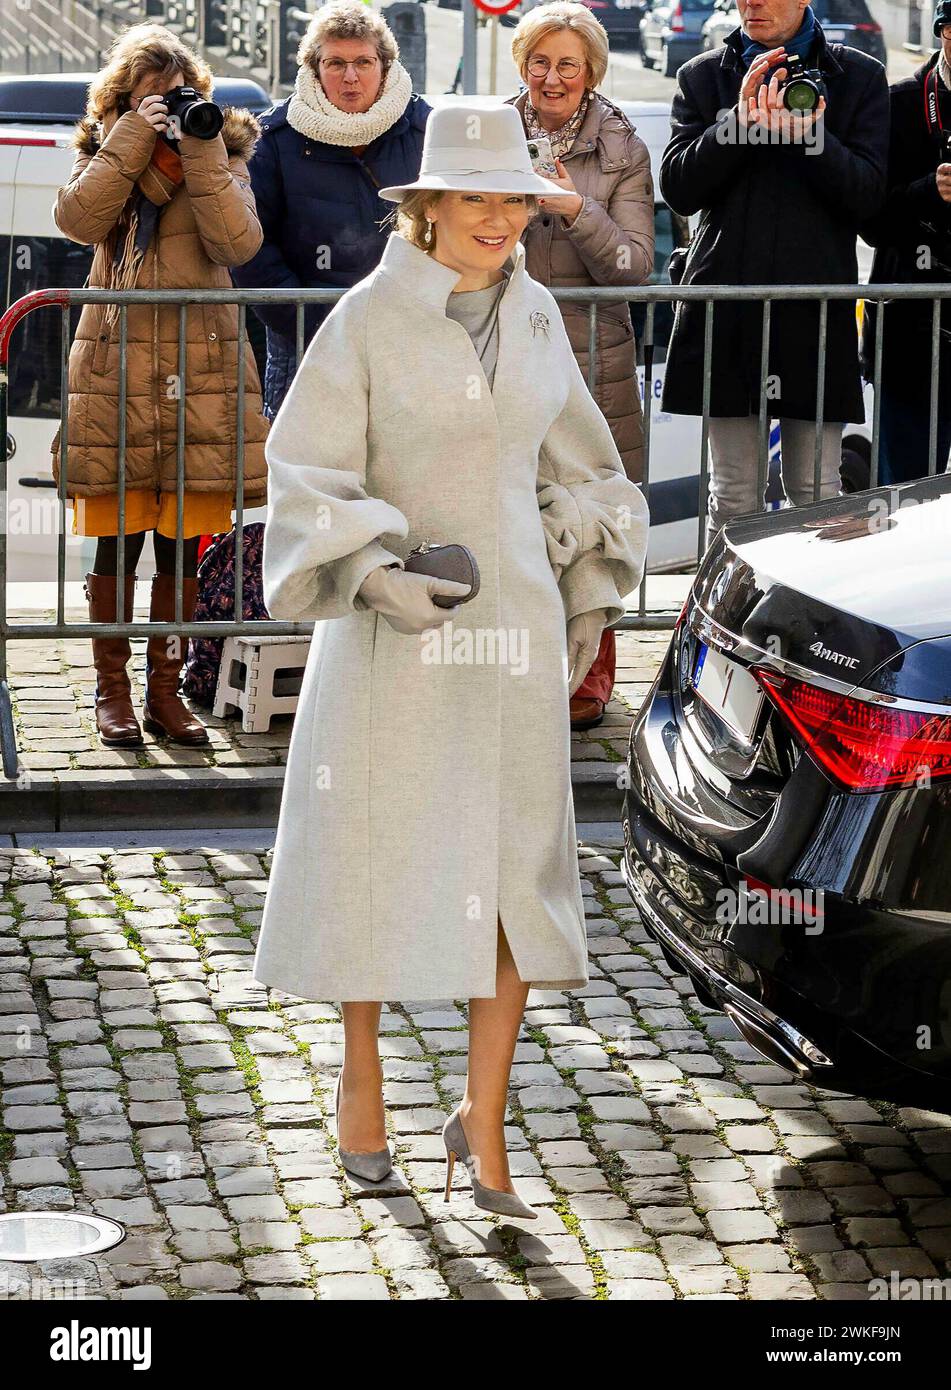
[(478, 149)]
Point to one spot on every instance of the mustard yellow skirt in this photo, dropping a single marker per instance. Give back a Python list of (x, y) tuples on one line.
[(203, 513)]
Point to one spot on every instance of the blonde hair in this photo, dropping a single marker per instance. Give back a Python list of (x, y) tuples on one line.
[(138, 51), (347, 19), (408, 219), (534, 27)]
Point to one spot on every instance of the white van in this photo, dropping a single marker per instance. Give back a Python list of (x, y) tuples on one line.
[(37, 116)]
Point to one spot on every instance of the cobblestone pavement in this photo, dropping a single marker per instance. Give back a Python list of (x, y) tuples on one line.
[(148, 1078), (52, 684)]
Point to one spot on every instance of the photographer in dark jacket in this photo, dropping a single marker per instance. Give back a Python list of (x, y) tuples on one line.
[(781, 197), (912, 234)]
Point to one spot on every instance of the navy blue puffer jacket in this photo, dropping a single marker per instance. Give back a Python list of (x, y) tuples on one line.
[(319, 208)]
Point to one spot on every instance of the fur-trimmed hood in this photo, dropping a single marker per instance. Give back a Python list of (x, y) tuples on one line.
[(240, 132)]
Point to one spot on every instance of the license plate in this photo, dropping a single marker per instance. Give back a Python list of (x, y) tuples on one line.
[(729, 690)]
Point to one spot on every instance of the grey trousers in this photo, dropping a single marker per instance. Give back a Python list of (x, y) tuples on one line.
[(733, 490)]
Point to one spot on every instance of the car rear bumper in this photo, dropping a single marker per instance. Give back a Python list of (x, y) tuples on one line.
[(836, 1001), (621, 23), (771, 1034), (785, 1027), (682, 46)]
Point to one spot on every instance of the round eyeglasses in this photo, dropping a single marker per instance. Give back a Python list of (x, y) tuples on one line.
[(567, 68), (336, 66)]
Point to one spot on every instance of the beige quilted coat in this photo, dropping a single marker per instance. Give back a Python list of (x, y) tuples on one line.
[(610, 242), (209, 224), (427, 790)]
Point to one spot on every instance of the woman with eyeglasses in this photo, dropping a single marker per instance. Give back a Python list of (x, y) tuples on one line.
[(600, 232), (351, 126)]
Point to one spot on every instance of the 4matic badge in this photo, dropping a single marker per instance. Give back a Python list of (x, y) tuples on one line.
[(827, 654)]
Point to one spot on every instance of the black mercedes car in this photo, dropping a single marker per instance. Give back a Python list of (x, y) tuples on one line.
[(787, 823)]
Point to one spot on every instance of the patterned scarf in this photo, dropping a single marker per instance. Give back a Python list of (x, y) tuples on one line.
[(564, 137), (155, 186)]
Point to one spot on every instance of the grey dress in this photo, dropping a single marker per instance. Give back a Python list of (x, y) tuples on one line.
[(477, 311)]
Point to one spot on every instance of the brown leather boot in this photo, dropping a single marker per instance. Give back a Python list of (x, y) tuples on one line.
[(115, 717), (586, 712), (163, 712)]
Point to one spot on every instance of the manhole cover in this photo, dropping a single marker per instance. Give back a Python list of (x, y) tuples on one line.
[(55, 1235)]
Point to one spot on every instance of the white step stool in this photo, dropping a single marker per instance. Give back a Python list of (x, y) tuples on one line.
[(253, 690)]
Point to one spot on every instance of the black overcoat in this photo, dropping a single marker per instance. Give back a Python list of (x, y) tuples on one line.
[(772, 214), (912, 237)]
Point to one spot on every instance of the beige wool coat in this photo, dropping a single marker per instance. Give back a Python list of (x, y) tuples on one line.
[(209, 224), (610, 242), (427, 791)]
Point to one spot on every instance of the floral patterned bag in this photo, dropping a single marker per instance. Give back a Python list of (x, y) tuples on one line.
[(215, 602)]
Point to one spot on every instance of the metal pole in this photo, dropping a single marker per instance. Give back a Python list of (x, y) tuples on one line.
[(470, 57), (121, 615), (63, 464), (493, 54), (648, 346), (180, 467), (243, 350), (703, 492), (8, 742)]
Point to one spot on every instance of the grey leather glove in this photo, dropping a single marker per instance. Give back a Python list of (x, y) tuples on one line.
[(405, 600), (584, 639)]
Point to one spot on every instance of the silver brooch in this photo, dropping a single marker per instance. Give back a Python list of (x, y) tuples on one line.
[(538, 321)]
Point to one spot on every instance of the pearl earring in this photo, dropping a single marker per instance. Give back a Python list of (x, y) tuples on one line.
[(429, 232)]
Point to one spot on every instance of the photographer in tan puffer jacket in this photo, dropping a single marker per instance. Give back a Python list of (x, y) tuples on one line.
[(160, 217)]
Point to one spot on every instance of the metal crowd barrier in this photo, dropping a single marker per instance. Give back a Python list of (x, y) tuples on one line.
[(650, 295)]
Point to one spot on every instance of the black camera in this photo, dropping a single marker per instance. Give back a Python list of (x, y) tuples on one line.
[(803, 88), (192, 114)]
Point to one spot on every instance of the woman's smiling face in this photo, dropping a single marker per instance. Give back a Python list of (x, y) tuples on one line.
[(476, 232), (554, 96)]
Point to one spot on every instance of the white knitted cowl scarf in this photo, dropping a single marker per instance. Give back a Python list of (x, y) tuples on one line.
[(311, 111)]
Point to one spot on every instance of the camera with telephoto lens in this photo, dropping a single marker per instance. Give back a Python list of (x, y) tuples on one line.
[(194, 115), (803, 88)]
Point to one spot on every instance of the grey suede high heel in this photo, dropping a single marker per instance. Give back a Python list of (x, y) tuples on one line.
[(488, 1198), (373, 1167)]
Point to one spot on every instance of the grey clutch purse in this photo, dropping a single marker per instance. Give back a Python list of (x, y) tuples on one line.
[(446, 562)]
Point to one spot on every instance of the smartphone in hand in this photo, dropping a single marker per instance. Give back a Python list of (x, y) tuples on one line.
[(543, 161)]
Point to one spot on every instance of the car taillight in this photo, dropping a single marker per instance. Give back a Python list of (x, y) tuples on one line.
[(863, 745), (869, 28), (24, 140), (677, 20)]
